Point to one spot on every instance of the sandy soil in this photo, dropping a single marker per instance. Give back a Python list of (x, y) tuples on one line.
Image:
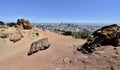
[(60, 56)]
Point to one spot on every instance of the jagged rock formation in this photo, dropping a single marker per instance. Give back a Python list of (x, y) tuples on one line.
[(108, 35), (25, 24), (11, 33), (16, 31), (41, 44)]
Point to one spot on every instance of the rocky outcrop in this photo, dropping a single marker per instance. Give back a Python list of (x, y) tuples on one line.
[(16, 35), (41, 44), (25, 24), (108, 35)]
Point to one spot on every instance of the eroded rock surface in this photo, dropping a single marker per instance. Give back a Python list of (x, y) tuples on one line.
[(41, 44), (25, 24), (16, 35), (108, 35)]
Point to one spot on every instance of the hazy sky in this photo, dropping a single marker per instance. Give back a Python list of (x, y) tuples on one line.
[(98, 11)]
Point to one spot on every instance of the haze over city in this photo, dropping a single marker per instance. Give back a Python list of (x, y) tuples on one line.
[(56, 11)]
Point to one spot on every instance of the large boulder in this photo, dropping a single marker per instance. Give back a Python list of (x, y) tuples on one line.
[(25, 24), (16, 35), (108, 35), (41, 44)]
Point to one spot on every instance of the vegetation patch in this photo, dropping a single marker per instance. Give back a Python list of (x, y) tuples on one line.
[(84, 34)]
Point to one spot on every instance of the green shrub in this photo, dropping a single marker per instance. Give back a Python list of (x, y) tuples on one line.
[(76, 35), (67, 33), (82, 34), (11, 24), (85, 34), (2, 23)]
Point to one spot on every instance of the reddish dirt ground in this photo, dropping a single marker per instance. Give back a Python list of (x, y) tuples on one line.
[(60, 56)]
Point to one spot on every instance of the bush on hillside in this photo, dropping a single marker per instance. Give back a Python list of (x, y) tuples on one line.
[(2, 23), (11, 24), (82, 34), (85, 34), (67, 33)]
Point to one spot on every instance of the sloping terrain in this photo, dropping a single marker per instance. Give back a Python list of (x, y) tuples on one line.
[(61, 55)]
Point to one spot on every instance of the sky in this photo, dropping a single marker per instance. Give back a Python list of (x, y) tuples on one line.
[(78, 11)]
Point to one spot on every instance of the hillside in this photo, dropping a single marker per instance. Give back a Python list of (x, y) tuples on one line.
[(61, 55), (14, 55)]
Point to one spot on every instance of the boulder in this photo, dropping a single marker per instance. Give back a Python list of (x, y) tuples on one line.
[(41, 44), (16, 35), (25, 24), (108, 35)]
